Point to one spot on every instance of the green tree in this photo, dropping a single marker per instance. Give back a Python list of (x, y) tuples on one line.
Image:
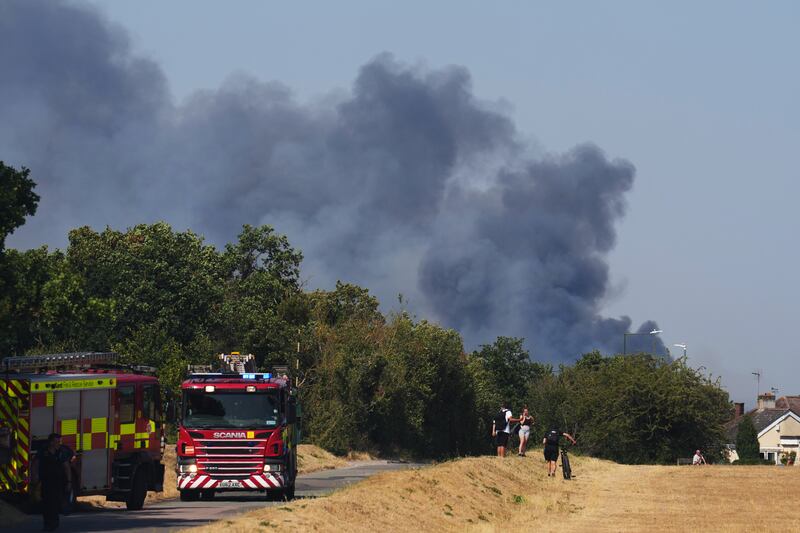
[(747, 446), (17, 200), (338, 395), (426, 400), (21, 274), (510, 370), (148, 275), (637, 409), (23, 278), (261, 309), (346, 302), (399, 386)]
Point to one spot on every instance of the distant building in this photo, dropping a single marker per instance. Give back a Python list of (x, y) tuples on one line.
[(777, 424), (789, 402)]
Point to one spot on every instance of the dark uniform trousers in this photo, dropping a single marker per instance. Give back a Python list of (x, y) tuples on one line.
[(54, 482)]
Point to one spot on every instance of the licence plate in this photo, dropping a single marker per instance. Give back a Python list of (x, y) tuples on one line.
[(230, 484)]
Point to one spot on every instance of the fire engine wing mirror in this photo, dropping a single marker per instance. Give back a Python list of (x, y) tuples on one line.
[(172, 410)]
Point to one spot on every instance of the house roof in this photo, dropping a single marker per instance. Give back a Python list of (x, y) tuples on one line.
[(788, 414), (788, 402), (762, 419)]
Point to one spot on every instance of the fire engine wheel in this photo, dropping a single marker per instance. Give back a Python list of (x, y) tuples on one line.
[(288, 492), (138, 493), (190, 495)]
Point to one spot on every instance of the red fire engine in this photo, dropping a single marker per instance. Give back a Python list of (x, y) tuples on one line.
[(238, 431), (108, 415)]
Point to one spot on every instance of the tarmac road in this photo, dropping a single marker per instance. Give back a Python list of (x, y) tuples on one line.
[(172, 515)]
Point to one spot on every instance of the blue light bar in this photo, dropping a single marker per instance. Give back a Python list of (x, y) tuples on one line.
[(263, 375)]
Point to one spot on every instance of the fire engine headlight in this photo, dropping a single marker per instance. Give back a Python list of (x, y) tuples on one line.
[(272, 468), (188, 469), (187, 465)]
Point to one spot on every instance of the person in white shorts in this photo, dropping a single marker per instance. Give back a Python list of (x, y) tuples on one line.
[(525, 423)]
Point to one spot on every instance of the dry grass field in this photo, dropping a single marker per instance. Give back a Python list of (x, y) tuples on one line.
[(489, 494)]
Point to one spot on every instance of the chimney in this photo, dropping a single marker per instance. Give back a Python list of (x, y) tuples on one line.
[(766, 400), (738, 409)]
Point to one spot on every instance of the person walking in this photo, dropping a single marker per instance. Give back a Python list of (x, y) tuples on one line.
[(551, 442), (525, 422), (54, 474), (501, 428)]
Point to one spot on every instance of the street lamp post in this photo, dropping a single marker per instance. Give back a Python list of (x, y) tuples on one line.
[(757, 374), (681, 346), (626, 335), (654, 333)]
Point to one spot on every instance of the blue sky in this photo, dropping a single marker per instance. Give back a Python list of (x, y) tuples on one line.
[(700, 97)]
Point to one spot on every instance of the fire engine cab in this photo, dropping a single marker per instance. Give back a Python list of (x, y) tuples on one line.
[(108, 415), (238, 431)]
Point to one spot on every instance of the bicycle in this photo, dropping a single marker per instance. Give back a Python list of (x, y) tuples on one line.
[(567, 469)]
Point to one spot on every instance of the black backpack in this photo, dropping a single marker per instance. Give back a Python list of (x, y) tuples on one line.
[(500, 421), (552, 437)]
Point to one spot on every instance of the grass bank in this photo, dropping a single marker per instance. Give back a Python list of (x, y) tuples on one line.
[(490, 494)]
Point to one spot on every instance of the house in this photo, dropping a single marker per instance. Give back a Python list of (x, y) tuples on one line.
[(789, 402), (777, 424)]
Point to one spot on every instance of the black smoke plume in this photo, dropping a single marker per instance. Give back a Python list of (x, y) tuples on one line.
[(407, 184)]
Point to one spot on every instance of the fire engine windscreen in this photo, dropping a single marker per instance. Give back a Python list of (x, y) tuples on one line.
[(217, 410)]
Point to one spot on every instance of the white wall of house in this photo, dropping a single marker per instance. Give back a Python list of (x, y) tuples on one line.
[(779, 438)]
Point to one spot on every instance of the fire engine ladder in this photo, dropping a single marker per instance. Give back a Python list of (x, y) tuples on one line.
[(32, 363), (238, 363)]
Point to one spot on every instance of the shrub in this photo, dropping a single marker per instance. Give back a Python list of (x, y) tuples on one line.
[(747, 441)]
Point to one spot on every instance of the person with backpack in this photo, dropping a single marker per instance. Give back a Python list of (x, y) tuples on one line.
[(501, 428), (551, 441)]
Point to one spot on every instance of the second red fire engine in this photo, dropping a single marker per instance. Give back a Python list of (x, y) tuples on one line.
[(237, 431)]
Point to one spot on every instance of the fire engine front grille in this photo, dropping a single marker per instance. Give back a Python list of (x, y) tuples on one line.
[(230, 458)]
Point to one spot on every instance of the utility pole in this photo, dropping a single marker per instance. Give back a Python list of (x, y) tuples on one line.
[(297, 362)]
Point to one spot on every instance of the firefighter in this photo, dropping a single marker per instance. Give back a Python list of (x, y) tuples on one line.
[(54, 474)]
